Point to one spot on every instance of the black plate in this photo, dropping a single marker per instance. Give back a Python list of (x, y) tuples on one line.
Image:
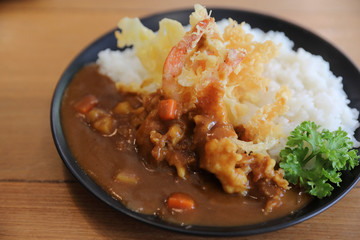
[(340, 65)]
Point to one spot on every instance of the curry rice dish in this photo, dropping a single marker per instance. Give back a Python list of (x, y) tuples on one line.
[(190, 124)]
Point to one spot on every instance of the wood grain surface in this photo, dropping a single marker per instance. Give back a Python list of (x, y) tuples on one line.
[(39, 199)]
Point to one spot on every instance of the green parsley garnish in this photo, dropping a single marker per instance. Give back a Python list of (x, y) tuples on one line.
[(313, 159)]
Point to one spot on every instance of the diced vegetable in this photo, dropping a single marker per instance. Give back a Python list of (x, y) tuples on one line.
[(175, 134), (95, 114), (86, 103), (167, 109), (180, 201), (126, 177), (105, 125), (123, 108)]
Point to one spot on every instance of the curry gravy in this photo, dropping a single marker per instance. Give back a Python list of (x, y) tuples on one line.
[(101, 158)]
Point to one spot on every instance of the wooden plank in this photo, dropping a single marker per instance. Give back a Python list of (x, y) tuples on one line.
[(65, 210)]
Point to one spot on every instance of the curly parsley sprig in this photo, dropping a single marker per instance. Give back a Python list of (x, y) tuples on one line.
[(314, 159)]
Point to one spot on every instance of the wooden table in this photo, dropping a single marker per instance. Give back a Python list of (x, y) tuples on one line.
[(39, 199)]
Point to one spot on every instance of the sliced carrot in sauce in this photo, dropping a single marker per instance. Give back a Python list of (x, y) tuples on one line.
[(180, 201), (86, 103), (167, 109)]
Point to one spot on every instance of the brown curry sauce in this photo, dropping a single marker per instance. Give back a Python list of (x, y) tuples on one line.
[(103, 157)]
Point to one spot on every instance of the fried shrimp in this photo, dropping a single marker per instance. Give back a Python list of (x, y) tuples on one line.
[(175, 61)]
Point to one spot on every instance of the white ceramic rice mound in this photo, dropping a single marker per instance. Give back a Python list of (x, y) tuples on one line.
[(317, 95)]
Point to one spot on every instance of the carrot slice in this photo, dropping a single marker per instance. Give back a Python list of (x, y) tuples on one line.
[(167, 109), (180, 201), (86, 103)]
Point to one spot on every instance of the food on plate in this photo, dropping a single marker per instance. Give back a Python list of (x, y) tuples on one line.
[(192, 122)]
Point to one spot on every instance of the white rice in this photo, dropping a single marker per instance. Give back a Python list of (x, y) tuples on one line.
[(317, 95), (122, 66)]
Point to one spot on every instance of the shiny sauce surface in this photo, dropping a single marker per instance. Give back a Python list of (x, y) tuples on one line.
[(102, 159)]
